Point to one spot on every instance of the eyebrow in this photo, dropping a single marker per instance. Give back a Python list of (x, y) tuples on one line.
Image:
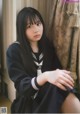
[(33, 22)]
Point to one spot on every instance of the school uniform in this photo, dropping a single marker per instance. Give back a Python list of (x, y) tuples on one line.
[(49, 98)]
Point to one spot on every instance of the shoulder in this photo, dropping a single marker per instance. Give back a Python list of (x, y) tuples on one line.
[(13, 48), (48, 42), (49, 45)]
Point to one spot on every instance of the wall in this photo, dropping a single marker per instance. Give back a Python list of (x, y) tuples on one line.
[(0, 29), (10, 10)]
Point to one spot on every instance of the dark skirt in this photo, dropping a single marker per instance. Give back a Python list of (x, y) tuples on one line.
[(49, 99)]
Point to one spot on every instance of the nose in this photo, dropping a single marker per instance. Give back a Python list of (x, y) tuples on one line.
[(35, 28)]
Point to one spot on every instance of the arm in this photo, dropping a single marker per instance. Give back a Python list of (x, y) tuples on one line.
[(17, 73), (59, 78), (22, 80)]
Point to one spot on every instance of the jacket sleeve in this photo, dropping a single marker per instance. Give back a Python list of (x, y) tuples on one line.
[(17, 73)]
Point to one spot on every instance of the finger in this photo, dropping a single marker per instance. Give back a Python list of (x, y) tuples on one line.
[(66, 71), (66, 84), (68, 77), (67, 81), (61, 86)]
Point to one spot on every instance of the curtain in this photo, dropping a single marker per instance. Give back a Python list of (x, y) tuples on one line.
[(64, 32)]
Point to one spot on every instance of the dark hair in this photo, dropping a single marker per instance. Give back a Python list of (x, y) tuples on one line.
[(28, 13)]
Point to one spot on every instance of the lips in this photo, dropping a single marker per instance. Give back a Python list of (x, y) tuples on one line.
[(36, 36)]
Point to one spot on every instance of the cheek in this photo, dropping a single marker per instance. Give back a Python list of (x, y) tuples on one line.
[(42, 29), (28, 33)]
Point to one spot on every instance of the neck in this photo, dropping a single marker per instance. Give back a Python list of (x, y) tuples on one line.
[(34, 46)]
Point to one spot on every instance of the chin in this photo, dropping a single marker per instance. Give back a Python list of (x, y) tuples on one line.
[(37, 39)]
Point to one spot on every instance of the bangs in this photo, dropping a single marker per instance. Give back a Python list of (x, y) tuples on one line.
[(32, 19)]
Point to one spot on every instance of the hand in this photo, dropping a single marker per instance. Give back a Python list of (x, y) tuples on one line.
[(60, 78)]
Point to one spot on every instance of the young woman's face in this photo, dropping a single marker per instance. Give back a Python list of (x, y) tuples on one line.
[(34, 31)]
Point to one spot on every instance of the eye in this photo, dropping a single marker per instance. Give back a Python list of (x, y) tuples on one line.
[(38, 23), (28, 26)]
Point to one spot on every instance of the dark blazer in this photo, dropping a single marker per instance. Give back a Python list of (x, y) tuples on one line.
[(21, 73)]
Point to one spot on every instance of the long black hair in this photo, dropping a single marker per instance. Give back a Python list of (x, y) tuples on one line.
[(25, 15)]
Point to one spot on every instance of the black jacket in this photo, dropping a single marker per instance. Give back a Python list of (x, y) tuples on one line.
[(21, 73)]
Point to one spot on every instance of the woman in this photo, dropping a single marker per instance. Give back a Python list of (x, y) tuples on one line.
[(34, 68)]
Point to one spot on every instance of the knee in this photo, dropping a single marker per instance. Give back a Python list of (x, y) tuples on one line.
[(71, 104)]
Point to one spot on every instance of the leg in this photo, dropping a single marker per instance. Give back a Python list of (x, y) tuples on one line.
[(71, 104)]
